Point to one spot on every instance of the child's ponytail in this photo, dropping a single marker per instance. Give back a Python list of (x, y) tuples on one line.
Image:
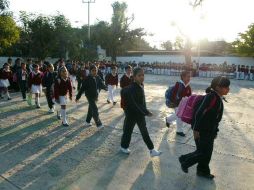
[(208, 90)]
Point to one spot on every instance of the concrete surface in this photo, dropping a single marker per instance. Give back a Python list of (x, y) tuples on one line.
[(37, 153)]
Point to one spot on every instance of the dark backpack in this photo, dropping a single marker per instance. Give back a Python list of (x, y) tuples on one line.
[(172, 95), (124, 95)]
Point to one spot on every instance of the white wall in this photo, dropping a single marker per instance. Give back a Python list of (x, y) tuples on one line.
[(180, 59)]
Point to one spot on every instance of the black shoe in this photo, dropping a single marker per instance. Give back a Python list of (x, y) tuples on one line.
[(167, 124), (181, 159), (108, 101), (65, 124), (184, 169), (205, 175), (8, 98), (180, 134), (1, 97), (114, 103)]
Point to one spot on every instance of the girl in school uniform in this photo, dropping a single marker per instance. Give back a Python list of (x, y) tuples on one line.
[(205, 127), (62, 88), (5, 77), (35, 84), (135, 112), (112, 83)]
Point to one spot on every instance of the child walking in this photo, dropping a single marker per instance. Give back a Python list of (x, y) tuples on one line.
[(91, 88), (5, 77), (35, 84), (73, 75), (112, 83), (48, 81), (205, 127), (181, 89), (22, 76), (126, 80), (62, 87), (135, 112)]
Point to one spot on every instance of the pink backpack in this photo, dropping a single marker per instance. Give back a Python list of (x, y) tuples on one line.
[(187, 105)]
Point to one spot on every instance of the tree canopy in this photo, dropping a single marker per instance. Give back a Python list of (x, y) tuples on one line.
[(9, 32), (4, 4), (244, 44)]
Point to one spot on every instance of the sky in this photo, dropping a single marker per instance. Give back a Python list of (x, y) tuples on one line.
[(163, 19)]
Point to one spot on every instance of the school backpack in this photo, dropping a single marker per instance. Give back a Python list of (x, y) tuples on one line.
[(171, 97), (124, 93), (187, 107)]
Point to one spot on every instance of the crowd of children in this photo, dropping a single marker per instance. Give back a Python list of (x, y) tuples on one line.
[(59, 82), (239, 72)]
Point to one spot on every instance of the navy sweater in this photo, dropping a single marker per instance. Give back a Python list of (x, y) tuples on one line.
[(91, 87), (135, 100), (206, 118)]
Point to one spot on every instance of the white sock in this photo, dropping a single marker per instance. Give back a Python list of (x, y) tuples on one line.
[(59, 113), (36, 100), (63, 113), (7, 93)]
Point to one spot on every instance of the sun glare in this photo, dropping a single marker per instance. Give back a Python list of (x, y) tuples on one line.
[(192, 26)]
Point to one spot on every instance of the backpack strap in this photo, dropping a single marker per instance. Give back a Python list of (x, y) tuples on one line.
[(212, 104), (178, 91)]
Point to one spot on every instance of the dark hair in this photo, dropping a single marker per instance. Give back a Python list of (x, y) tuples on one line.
[(184, 74), (23, 63), (219, 81), (93, 67), (128, 67), (35, 65), (137, 71)]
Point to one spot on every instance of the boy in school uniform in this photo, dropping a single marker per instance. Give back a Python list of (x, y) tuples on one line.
[(48, 81), (22, 76), (91, 87), (181, 89), (112, 83)]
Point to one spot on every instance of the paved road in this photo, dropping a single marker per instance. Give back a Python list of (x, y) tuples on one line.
[(37, 153)]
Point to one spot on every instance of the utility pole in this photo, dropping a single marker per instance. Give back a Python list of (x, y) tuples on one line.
[(88, 6)]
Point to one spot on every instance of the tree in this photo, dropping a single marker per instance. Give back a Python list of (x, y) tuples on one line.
[(4, 4), (244, 45), (121, 33), (62, 42), (196, 3), (9, 32), (179, 43), (167, 45)]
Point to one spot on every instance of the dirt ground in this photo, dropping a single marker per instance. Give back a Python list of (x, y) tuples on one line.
[(37, 153)]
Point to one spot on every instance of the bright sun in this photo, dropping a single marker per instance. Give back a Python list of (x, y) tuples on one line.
[(192, 25)]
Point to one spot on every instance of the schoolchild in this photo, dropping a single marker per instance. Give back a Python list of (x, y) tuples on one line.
[(205, 125), (135, 112), (91, 86)]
